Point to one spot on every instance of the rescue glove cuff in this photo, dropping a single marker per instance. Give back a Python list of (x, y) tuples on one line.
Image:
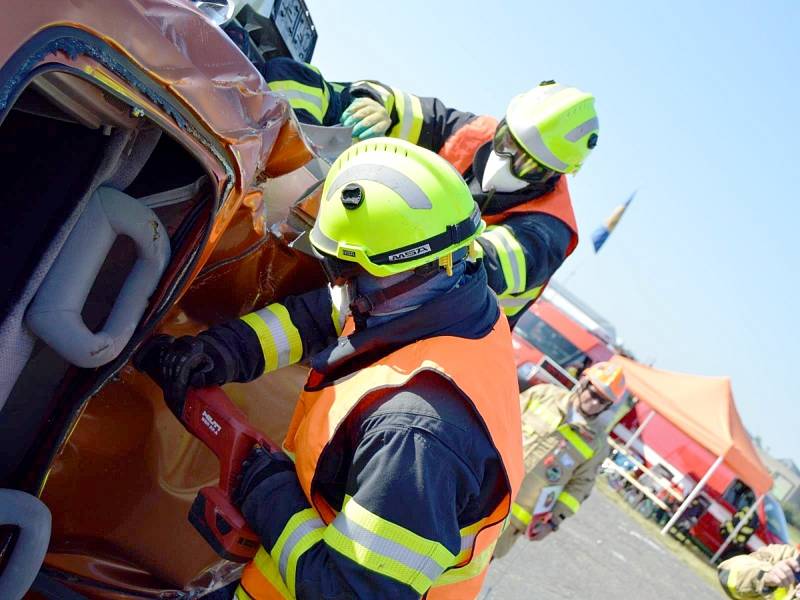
[(259, 466)]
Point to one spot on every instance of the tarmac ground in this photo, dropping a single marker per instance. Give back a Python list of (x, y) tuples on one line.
[(601, 553)]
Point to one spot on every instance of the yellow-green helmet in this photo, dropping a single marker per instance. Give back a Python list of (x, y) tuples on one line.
[(556, 124), (390, 206)]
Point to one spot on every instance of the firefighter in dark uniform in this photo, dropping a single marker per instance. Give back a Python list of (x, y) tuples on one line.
[(515, 168), (402, 458)]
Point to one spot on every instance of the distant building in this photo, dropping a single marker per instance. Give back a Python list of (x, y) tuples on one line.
[(786, 477)]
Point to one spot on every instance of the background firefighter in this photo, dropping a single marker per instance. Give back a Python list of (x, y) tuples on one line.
[(769, 572), (564, 444)]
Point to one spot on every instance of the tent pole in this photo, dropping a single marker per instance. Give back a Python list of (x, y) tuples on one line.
[(692, 495), (639, 430), (744, 521)]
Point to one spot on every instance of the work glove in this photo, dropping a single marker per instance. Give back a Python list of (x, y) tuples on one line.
[(258, 467), (367, 117), (178, 364), (782, 575)]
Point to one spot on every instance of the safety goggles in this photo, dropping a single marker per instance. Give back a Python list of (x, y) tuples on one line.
[(523, 165), (337, 270), (597, 395)]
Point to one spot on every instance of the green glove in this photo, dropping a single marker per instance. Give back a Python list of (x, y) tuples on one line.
[(367, 118)]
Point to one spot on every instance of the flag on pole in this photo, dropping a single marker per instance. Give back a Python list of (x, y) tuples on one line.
[(601, 234)]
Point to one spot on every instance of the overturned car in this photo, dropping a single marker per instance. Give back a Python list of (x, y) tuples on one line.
[(149, 176)]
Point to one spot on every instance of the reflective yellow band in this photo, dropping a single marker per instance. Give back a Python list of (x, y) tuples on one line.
[(312, 99), (570, 501), (576, 441), (468, 535), (511, 305), (511, 256), (337, 87), (301, 532), (279, 338), (240, 594), (409, 114), (269, 571), (387, 548), (475, 567), (521, 513)]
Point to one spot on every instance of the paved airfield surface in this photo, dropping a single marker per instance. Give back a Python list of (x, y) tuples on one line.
[(599, 554)]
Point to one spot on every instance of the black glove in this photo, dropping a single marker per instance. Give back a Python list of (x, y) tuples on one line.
[(177, 364), (260, 465)]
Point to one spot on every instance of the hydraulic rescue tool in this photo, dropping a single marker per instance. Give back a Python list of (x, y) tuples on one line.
[(210, 416)]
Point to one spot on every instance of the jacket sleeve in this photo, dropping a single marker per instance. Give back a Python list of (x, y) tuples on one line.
[(375, 547), (314, 100), (424, 121), (280, 334), (521, 255), (579, 486), (742, 576)]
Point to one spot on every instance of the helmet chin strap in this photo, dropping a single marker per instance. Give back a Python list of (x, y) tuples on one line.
[(497, 175), (364, 303)]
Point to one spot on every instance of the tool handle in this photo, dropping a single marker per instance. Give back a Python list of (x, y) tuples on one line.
[(222, 426)]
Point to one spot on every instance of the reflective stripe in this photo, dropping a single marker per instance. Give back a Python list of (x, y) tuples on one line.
[(279, 338), (383, 93), (520, 513), (583, 129), (303, 97), (511, 256), (729, 579), (266, 580), (570, 501), (576, 441), (511, 305), (387, 548), (536, 147), (468, 535), (409, 114), (240, 594), (400, 183), (474, 568), (301, 532)]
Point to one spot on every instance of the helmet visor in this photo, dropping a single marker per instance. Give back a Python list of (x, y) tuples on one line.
[(523, 165)]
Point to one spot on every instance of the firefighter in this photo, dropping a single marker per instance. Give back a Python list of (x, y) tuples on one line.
[(564, 443), (401, 457), (770, 572), (515, 169)]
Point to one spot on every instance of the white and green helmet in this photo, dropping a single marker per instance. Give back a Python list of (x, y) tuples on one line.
[(390, 206), (555, 124)]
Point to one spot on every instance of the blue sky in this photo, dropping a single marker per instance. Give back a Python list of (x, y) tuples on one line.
[(698, 106)]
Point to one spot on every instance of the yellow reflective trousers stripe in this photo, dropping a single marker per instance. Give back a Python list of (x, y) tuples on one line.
[(569, 501), (279, 338)]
